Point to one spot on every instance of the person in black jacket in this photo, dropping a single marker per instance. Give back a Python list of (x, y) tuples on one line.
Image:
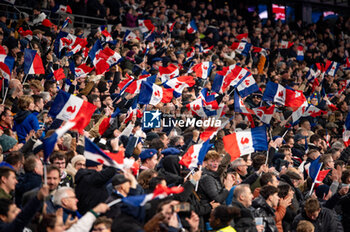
[(323, 219), (14, 220), (263, 206), (91, 185), (243, 199)]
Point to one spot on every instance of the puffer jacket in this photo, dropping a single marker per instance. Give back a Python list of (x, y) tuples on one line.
[(246, 222), (326, 221), (24, 122), (210, 187), (260, 208)]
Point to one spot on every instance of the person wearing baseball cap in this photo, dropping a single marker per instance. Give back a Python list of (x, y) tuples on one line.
[(148, 159)]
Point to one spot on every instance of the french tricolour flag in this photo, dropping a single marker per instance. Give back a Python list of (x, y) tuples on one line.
[(104, 59), (246, 142), (6, 63), (154, 94), (312, 74), (104, 32), (159, 192), (247, 86), (285, 44), (203, 70), (32, 62), (145, 25), (346, 66), (72, 43), (62, 9), (49, 142), (179, 83), (95, 154), (241, 47), (300, 53), (314, 111), (192, 27), (67, 107), (243, 36), (275, 93), (106, 122), (331, 68), (265, 113), (129, 35), (82, 70), (229, 77), (196, 108), (169, 72), (314, 171), (195, 155), (239, 105), (28, 34)]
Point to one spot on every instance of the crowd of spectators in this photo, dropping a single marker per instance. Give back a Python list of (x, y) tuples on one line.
[(261, 191)]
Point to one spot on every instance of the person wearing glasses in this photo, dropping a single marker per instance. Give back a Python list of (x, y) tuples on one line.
[(58, 160), (65, 198)]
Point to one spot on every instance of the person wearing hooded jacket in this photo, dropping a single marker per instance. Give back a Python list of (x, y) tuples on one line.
[(25, 121)]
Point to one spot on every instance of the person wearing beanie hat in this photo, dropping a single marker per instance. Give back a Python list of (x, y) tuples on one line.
[(76, 163), (91, 184), (149, 159), (8, 143)]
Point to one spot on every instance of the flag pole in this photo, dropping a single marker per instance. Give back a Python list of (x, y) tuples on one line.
[(314, 182), (45, 173), (3, 101), (25, 78), (200, 169)]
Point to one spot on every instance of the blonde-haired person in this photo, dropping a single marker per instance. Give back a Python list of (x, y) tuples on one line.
[(25, 121)]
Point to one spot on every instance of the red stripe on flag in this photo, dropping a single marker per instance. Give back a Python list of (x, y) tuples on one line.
[(231, 146)]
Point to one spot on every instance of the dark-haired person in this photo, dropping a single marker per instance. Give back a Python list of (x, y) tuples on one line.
[(264, 205), (221, 217), (13, 219), (8, 182), (322, 218), (58, 160)]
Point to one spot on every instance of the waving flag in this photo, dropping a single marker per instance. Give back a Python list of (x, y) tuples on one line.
[(346, 132), (239, 105), (129, 35), (346, 66), (206, 50), (95, 154), (32, 62), (49, 142), (247, 86), (28, 34), (105, 34), (275, 93), (313, 168), (6, 63), (59, 74), (106, 122), (67, 107), (179, 83), (300, 53), (82, 70), (209, 101), (241, 47), (196, 107), (243, 36), (203, 70), (314, 111), (72, 43), (331, 68), (246, 142), (195, 155), (62, 9), (312, 74), (192, 27), (145, 25), (159, 192), (133, 110), (231, 77), (104, 59), (210, 132), (154, 94), (190, 54), (171, 26), (66, 22), (279, 11), (265, 113), (285, 44), (169, 72)]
